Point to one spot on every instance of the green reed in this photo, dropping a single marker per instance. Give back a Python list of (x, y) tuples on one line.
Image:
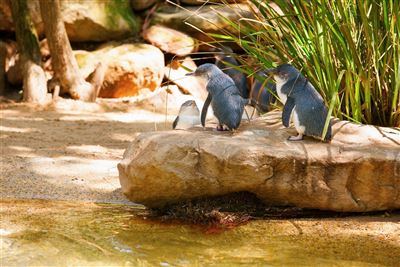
[(349, 50)]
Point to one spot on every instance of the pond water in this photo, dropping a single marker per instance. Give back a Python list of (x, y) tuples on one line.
[(58, 233)]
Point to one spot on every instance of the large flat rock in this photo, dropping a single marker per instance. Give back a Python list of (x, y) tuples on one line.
[(358, 171)]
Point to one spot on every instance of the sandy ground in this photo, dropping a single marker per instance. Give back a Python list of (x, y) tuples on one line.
[(69, 150)]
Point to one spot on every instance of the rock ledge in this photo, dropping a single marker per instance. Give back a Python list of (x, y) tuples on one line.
[(358, 171)]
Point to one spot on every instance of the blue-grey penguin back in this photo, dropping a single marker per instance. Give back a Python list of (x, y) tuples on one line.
[(224, 96), (224, 56), (312, 113), (227, 102), (310, 108), (303, 102)]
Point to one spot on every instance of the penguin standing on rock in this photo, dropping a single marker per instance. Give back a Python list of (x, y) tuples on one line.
[(189, 116), (224, 96), (301, 102)]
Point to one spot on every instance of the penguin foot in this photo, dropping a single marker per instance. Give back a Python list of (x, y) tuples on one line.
[(295, 137), (220, 127)]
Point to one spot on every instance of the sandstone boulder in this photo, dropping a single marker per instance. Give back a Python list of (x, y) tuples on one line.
[(99, 20), (358, 171), (131, 68), (170, 40), (139, 5), (176, 71), (209, 18)]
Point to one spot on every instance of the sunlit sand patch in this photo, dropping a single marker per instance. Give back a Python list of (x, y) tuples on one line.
[(19, 118), (18, 130), (90, 173), (140, 116), (20, 148), (88, 149), (123, 137)]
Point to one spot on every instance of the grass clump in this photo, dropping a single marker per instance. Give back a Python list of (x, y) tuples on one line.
[(349, 50)]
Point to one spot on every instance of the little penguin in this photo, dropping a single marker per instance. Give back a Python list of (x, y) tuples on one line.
[(189, 116), (226, 101), (224, 55), (301, 102), (262, 93)]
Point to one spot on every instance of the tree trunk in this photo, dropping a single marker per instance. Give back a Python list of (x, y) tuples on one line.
[(3, 55), (65, 67), (34, 81)]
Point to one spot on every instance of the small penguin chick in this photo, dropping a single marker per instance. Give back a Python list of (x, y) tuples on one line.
[(189, 116), (223, 95), (223, 56), (302, 103)]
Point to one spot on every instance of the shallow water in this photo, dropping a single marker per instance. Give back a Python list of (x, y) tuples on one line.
[(66, 234)]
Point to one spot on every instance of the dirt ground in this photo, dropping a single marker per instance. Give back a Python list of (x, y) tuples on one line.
[(69, 150)]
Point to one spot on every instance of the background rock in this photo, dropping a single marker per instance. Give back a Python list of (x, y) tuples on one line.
[(175, 72), (94, 20), (98, 20), (139, 5), (170, 40), (166, 100), (6, 21), (201, 2), (206, 19), (167, 167), (131, 68)]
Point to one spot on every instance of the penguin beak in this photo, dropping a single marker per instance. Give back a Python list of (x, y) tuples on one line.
[(270, 72), (204, 110), (190, 74)]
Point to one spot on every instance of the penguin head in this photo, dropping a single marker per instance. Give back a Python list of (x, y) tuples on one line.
[(205, 71), (189, 108), (223, 52), (283, 73)]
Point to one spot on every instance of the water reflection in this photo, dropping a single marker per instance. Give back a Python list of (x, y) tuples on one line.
[(59, 233)]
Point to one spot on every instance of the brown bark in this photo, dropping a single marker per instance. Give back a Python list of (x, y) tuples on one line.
[(34, 81), (3, 55), (65, 67)]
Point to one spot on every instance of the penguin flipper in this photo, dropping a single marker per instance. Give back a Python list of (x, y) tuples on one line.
[(287, 111), (204, 110), (175, 122)]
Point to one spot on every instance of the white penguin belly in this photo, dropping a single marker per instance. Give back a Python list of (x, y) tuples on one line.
[(295, 117), (186, 122), (282, 96)]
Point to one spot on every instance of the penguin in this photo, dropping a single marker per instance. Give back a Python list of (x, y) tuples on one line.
[(262, 93), (224, 55), (223, 95), (189, 116), (302, 103)]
